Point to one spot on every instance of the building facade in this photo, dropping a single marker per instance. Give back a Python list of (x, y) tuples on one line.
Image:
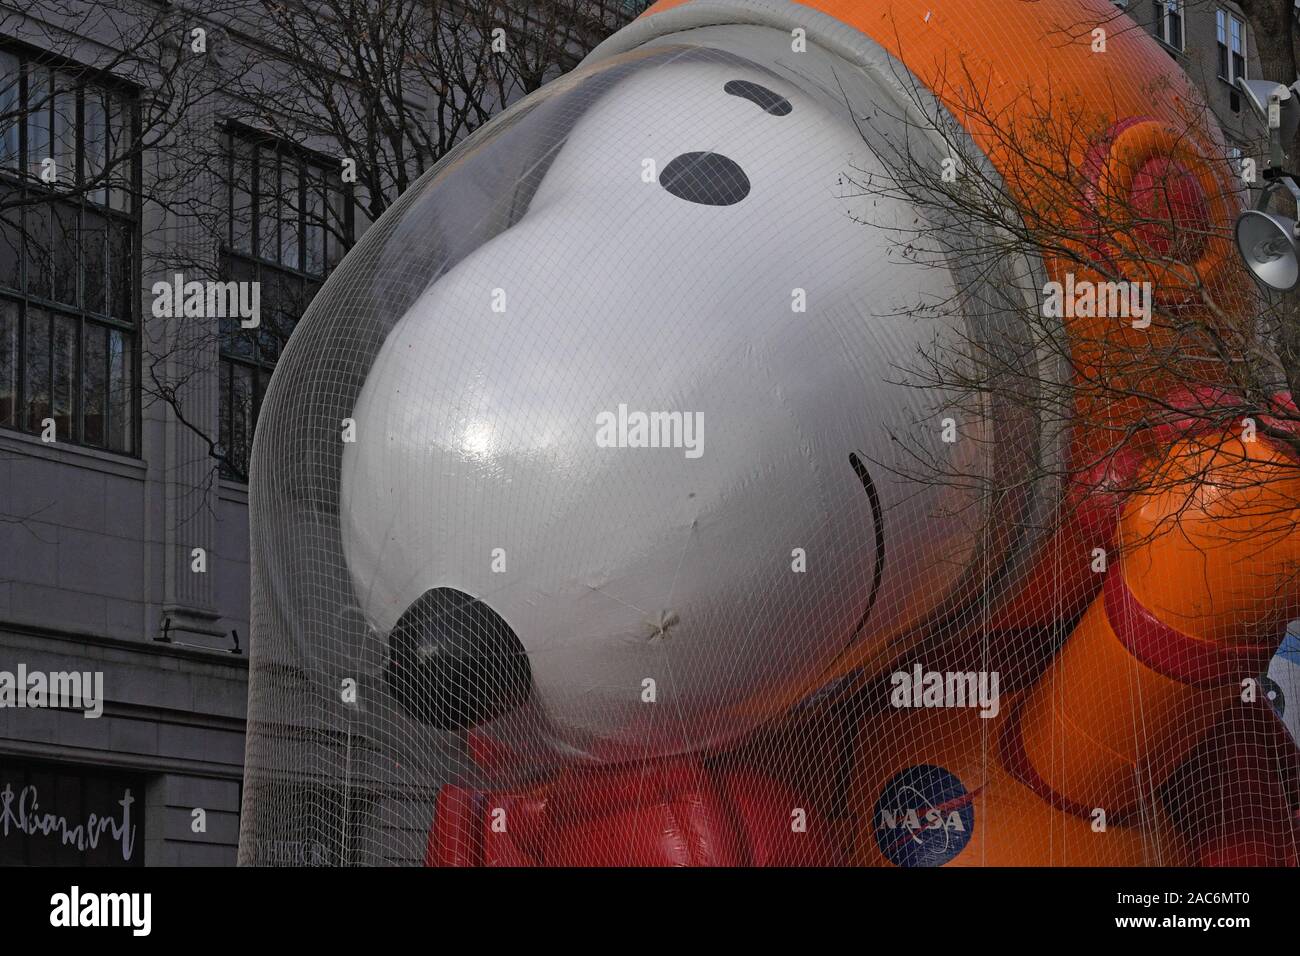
[(144, 148), (123, 558), (1211, 40)]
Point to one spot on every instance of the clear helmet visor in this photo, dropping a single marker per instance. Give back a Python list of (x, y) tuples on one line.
[(545, 466)]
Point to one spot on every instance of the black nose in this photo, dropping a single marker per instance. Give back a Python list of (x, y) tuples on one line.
[(454, 663)]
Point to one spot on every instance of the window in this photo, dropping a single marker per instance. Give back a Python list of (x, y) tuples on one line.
[(1169, 23), (1231, 35), (289, 222), (69, 228), (1238, 40)]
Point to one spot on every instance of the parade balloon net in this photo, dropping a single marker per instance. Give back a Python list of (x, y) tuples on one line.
[(604, 510)]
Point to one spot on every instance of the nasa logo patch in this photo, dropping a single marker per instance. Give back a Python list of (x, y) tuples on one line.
[(924, 817)]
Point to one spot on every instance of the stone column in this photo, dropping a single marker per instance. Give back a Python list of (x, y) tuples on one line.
[(183, 418)]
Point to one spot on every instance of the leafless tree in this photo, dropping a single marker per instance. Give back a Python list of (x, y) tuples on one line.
[(87, 92), (1215, 358), (375, 92)]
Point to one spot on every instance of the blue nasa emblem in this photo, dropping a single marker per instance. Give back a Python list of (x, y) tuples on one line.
[(924, 817)]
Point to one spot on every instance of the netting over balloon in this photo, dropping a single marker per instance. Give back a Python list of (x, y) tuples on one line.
[(606, 508)]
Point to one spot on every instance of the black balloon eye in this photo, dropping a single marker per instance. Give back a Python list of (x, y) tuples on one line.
[(710, 179), (767, 100)]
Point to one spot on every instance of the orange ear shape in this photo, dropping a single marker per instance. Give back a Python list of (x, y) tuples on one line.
[(1162, 207)]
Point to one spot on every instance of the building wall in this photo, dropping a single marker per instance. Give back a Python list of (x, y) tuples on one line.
[(1199, 59), (96, 548), (95, 555), (83, 542)]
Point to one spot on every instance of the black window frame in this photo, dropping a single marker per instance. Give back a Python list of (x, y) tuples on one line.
[(251, 355), (74, 196), (1232, 64), (1170, 26), (1240, 66)]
